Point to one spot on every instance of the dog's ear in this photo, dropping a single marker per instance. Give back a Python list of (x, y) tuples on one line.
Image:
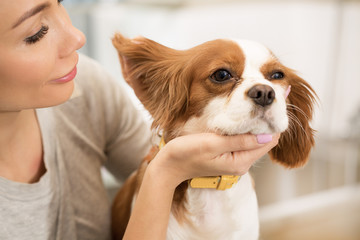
[(157, 75), (296, 142)]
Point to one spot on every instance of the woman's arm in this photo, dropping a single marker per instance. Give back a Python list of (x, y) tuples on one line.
[(149, 219), (181, 159)]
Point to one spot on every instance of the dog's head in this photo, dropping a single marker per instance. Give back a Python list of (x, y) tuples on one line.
[(223, 86)]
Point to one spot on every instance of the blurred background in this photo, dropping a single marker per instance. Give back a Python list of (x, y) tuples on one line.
[(320, 39)]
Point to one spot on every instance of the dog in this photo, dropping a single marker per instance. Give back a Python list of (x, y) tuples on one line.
[(222, 86)]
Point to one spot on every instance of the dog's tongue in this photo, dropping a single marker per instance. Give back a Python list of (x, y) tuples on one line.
[(287, 91)]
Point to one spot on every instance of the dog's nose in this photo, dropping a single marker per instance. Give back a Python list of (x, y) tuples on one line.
[(262, 95)]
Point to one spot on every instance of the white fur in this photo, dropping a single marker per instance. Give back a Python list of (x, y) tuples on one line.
[(232, 214)]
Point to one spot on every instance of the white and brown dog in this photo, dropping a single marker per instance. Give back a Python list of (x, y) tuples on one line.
[(223, 86)]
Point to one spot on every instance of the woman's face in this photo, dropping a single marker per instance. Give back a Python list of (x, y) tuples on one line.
[(37, 54)]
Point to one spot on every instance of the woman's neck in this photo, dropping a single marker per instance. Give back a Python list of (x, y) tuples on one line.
[(20, 147)]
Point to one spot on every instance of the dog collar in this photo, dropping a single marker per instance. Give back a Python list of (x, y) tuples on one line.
[(222, 182)]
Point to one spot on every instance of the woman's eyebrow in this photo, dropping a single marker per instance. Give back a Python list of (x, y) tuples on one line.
[(31, 13)]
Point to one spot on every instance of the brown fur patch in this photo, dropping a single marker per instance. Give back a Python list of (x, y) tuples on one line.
[(295, 144), (215, 55), (121, 209)]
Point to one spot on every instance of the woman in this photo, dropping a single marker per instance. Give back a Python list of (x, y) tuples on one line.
[(58, 130)]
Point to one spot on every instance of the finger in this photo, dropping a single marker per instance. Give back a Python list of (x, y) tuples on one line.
[(255, 154), (236, 143), (250, 156), (239, 162)]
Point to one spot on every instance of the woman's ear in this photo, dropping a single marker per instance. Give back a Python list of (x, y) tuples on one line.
[(158, 76), (296, 142)]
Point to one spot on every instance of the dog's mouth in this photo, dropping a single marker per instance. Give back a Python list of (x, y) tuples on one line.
[(262, 113), (266, 123), (265, 115)]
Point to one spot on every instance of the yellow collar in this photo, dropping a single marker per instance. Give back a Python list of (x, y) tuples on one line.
[(222, 182)]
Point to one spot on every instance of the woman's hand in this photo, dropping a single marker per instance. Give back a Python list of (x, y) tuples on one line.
[(209, 154), (184, 158)]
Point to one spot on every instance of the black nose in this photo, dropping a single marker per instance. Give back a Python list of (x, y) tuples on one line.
[(262, 95)]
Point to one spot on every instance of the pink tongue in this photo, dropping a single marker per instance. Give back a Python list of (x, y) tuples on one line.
[(287, 91)]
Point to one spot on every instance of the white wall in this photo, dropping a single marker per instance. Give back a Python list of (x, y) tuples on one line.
[(320, 39), (346, 89)]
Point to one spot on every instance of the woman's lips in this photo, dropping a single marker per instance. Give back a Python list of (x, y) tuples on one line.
[(67, 78)]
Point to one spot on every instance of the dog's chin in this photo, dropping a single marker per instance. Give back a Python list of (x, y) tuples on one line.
[(269, 127)]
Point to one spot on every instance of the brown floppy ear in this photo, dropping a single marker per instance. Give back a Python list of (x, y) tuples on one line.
[(296, 142), (158, 76)]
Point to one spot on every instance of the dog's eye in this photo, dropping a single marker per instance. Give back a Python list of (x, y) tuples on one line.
[(221, 76), (277, 75)]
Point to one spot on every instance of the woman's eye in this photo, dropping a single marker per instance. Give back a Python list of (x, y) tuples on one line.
[(37, 36), (221, 76), (59, 1), (277, 75)]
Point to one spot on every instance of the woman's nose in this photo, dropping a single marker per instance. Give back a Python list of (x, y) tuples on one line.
[(78, 38), (72, 38)]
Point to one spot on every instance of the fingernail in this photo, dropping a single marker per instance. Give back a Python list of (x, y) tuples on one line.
[(264, 138), (287, 91)]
